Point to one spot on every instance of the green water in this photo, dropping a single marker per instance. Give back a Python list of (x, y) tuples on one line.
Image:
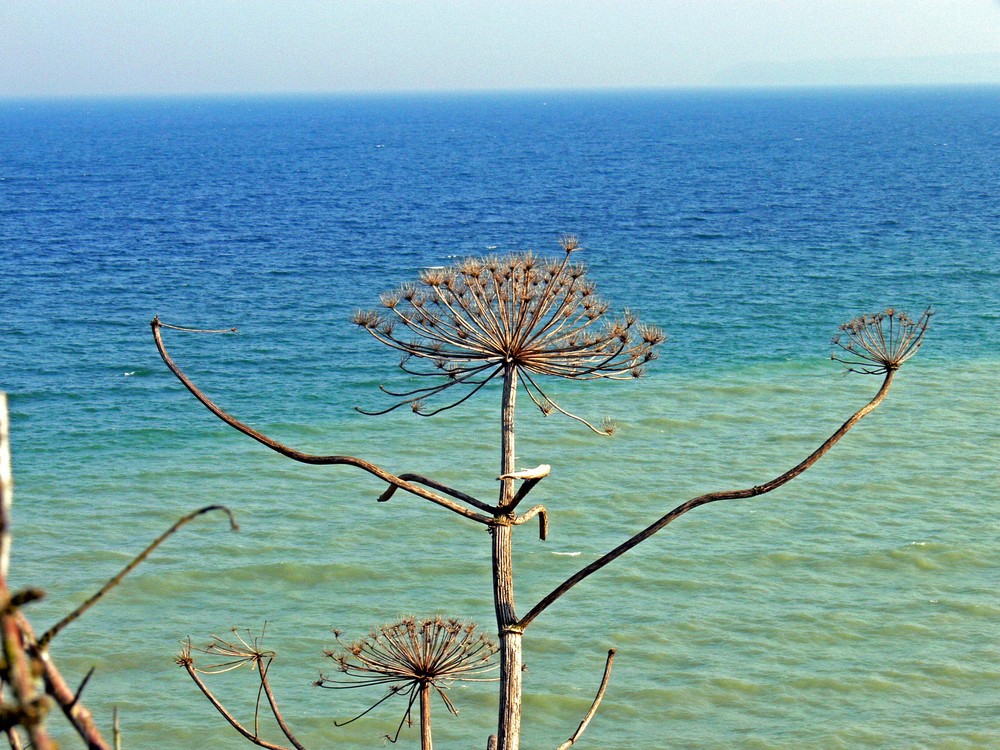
[(854, 607)]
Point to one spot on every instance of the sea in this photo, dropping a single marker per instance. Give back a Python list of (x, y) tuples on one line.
[(855, 607)]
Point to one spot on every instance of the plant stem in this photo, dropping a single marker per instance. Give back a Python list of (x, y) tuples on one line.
[(509, 719), (425, 717)]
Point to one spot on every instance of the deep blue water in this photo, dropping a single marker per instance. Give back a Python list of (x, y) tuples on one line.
[(748, 225)]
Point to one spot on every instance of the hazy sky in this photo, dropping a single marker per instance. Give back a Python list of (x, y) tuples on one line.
[(112, 47)]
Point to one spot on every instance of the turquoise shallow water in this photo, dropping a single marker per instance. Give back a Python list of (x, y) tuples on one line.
[(853, 608)]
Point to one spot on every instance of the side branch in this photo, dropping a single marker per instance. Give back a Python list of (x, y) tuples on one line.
[(275, 711), (299, 456), (593, 706), (543, 520), (704, 500), (441, 487), (233, 722), (52, 632), (531, 477), (76, 713)]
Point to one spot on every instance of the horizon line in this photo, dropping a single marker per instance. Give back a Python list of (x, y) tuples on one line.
[(416, 93)]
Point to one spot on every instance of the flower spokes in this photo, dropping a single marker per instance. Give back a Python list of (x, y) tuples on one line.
[(878, 343), (482, 316), (234, 653), (411, 655)]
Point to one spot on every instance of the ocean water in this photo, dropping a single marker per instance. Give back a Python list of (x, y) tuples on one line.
[(853, 608)]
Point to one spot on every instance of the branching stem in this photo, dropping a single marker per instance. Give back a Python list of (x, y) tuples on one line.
[(704, 500), (299, 456), (233, 722)]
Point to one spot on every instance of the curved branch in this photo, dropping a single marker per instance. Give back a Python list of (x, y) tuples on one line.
[(52, 632), (305, 458), (543, 520), (441, 487), (531, 477), (527, 379), (593, 706), (233, 722), (704, 500)]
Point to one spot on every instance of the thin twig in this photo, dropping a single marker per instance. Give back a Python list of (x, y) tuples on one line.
[(52, 632), (440, 487), (199, 330), (593, 706), (262, 671), (188, 665), (83, 684), (705, 499)]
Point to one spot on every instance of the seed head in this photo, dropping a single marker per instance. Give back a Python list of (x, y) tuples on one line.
[(407, 655), (486, 316), (233, 653), (875, 344)]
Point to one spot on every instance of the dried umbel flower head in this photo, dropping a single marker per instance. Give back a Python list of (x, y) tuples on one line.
[(411, 655), (521, 314), (880, 343), (233, 654)]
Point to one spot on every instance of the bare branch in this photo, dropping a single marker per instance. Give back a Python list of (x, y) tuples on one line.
[(299, 456), (185, 661), (15, 665), (13, 738), (531, 477), (705, 499), (539, 472), (79, 716), (274, 707), (441, 487), (55, 629), (200, 330), (593, 706), (543, 520)]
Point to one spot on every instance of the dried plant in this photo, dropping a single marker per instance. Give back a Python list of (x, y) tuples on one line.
[(413, 658), (471, 322), (876, 344), (514, 319), (233, 654), (27, 668)]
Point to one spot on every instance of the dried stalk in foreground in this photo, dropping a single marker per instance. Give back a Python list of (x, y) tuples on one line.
[(593, 706), (17, 666), (27, 667), (413, 658)]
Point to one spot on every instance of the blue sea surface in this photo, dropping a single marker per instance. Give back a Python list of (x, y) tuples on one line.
[(856, 607)]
